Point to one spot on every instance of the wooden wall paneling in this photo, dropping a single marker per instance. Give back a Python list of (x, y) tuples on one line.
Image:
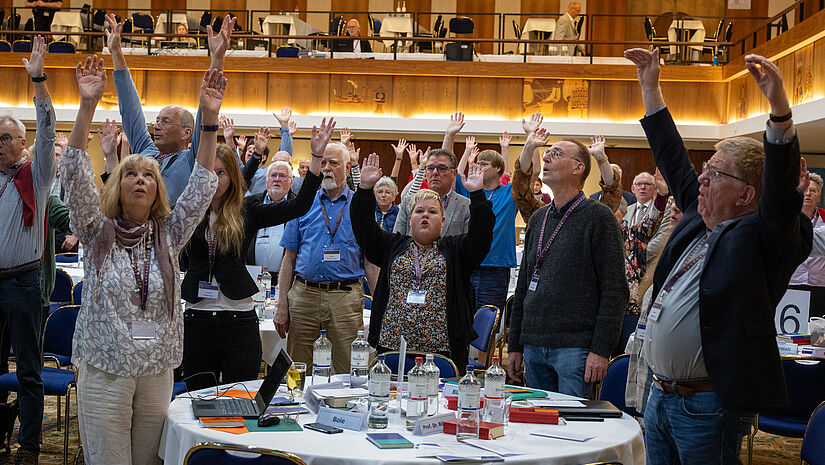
[(172, 87), (819, 69), (786, 65), (803, 75), (287, 5), (62, 84), (738, 99), (245, 90), (339, 6), (615, 100), (484, 25), (119, 7), (159, 6), (368, 94), (15, 89), (491, 97), (222, 7), (424, 95), (304, 93), (660, 13), (556, 98), (635, 160), (421, 6), (743, 26), (695, 101), (605, 28)]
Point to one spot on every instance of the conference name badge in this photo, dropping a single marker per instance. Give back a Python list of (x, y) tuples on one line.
[(416, 297), (534, 282), (143, 329), (655, 311), (207, 290), (332, 255)]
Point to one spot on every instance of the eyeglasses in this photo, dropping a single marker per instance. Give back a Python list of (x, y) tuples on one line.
[(441, 168), (6, 139), (643, 184), (279, 176), (715, 174), (164, 122), (557, 154)]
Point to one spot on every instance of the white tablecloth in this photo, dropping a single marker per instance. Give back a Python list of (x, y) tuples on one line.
[(271, 341), (531, 29), (396, 26), (188, 52), (693, 27), (295, 27), (177, 18), (67, 21), (616, 439)]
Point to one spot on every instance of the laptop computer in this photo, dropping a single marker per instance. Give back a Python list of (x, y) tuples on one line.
[(246, 408), (592, 408)]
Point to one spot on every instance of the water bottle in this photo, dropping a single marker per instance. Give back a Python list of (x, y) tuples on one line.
[(404, 6), (469, 403), (715, 60), (259, 299), (379, 387), (79, 255), (359, 361), (495, 408), (321, 359), (433, 375), (267, 280), (417, 402)]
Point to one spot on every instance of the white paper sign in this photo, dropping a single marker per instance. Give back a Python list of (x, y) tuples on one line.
[(792, 312), (739, 4), (450, 390), (432, 425), (352, 421), (564, 435)]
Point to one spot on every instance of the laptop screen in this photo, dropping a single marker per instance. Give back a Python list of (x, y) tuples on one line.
[(273, 379)]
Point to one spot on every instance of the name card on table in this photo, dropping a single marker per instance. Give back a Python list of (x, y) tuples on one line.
[(353, 421), (450, 390), (432, 425), (313, 400)]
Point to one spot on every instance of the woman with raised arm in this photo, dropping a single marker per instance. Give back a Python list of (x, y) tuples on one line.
[(128, 336), (221, 334), (423, 291)]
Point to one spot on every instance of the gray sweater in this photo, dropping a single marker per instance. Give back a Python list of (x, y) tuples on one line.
[(582, 291)]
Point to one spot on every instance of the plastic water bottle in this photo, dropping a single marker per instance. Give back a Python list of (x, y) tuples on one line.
[(379, 387), (495, 409), (404, 6), (433, 377), (359, 361), (321, 359), (267, 280), (469, 403), (417, 402), (259, 299)]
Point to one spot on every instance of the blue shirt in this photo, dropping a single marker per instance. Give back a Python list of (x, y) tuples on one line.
[(258, 183), (308, 235), (268, 250), (297, 182), (386, 221), (174, 167), (503, 249)]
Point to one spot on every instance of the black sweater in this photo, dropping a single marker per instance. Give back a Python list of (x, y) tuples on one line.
[(230, 270), (463, 254)]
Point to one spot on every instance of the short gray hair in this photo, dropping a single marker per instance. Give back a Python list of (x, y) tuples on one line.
[(388, 182), (16, 122), (279, 163), (817, 179)]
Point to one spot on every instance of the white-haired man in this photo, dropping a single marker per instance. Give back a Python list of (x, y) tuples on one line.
[(266, 250)]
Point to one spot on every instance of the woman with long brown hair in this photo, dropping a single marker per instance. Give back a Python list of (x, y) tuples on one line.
[(220, 324)]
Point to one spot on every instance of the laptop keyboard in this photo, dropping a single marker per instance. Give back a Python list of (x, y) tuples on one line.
[(236, 407)]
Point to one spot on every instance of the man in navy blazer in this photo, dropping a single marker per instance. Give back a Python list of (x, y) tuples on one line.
[(709, 336)]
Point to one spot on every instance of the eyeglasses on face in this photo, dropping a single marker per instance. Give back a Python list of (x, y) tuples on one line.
[(278, 176), (164, 122), (557, 154), (441, 168), (715, 174), (6, 139), (643, 184)]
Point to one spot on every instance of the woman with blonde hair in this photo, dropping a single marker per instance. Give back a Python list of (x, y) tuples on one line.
[(221, 342), (128, 337), (423, 291)]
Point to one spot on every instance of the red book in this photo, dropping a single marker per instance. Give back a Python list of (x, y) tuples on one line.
[(486, 430), (452, 402), (534, 415)]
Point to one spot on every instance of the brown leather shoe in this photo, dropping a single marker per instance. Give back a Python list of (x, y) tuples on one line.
[(26, 457)]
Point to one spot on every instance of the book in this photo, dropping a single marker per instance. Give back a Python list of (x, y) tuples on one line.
[(389, 441), (486, 430), (534, 415), (221, 422), (452, 402)]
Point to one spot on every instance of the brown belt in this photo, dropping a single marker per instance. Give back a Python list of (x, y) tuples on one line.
[(18, 270), (684, 388), (329, 286)]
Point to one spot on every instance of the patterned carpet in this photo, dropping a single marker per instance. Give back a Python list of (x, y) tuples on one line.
[(768, 449)]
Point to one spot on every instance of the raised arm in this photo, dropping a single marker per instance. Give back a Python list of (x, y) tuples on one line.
[(113, 41), (44, 162), (213, 87), (523, 178), (504, 143), (399, 155), (455, 126), (468, 157), (647, 72), (476, 243), (529, 126), (370, 237), (107, 136), (219, 42), (610, 181), (286, 132)]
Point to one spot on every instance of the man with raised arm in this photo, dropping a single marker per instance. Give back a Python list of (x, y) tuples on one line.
[(174, 125), (24, 194), (710, 336)]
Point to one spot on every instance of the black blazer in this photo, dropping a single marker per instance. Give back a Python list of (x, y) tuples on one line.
[(230, 270), (259, 199), (348, 46), (463, 253), (746, 270)]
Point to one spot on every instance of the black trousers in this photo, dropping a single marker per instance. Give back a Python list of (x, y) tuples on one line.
[(226, 344)]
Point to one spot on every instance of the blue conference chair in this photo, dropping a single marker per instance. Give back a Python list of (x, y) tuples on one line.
[(286, 52), (213, 453), (178, 388), (5, 46), (61, 47), (462, 25), (68, 257), (77, 293), (444, 364), (367, 302), (57, 337), (485, 323), (813, 444), (62, 292), (614, 383), (21, 46)]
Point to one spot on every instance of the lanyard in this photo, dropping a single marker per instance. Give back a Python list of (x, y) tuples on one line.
[(10, 179), (689, 263), (143, 281), (210, 242), (337, 222), (446, 201), (419, 263), (541, 252), (490, 197)]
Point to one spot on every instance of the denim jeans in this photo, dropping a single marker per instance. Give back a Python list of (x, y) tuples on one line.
[(556, 369), (21, 308), (690, 430), (225, 343), (490, 284)]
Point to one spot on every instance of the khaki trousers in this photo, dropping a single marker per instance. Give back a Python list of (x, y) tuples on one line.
[(339, 312)]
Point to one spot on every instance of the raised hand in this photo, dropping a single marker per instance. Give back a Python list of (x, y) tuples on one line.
[(537, 138), (261, 139), (533, 123), (647, 65), (423, 156), (596, 148), (804, 176), (91, 78), (212, 90), (241, 143), (62, 140), (471, 159), (399, 149), (113, 33), (228, 125), (219, 43), (107, 135), (371, 171), (504, 139), (283, 117), (293, 128), (353, 153), (34, 65), (456, 124), (469, 144), (413, 153), (474, 179), (769, 79), (346, 135), (320, 137)]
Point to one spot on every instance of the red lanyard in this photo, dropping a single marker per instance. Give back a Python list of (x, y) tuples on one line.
[(541, 252), (10, 179), (337, 222)]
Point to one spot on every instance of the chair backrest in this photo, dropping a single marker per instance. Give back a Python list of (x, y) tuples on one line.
[(127, 26), (77, 293), (376, 26), (516, 29), (99, 19), (57, 337), (29, 26), (648, 28), (728, 31), (614, 382), (287, 52), (15, 26), (143, 21), (814, 439), (62, 292), (213, 453), (85, 9), (5, 46), (61, 47), (804, 380), (445, 365), (580, 24), (461, 25), (508, 305), (717, 31), (217, 23), (206, 19), (365, 286), (485, 323), (68, 257), (367, 302), (437, 25)]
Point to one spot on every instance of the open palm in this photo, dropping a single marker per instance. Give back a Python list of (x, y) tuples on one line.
[(91, 78), (212, 90)]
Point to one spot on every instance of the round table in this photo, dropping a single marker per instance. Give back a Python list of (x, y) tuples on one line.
[(616, 439)]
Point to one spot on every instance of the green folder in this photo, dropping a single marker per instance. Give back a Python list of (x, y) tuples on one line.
[(286, 424)]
